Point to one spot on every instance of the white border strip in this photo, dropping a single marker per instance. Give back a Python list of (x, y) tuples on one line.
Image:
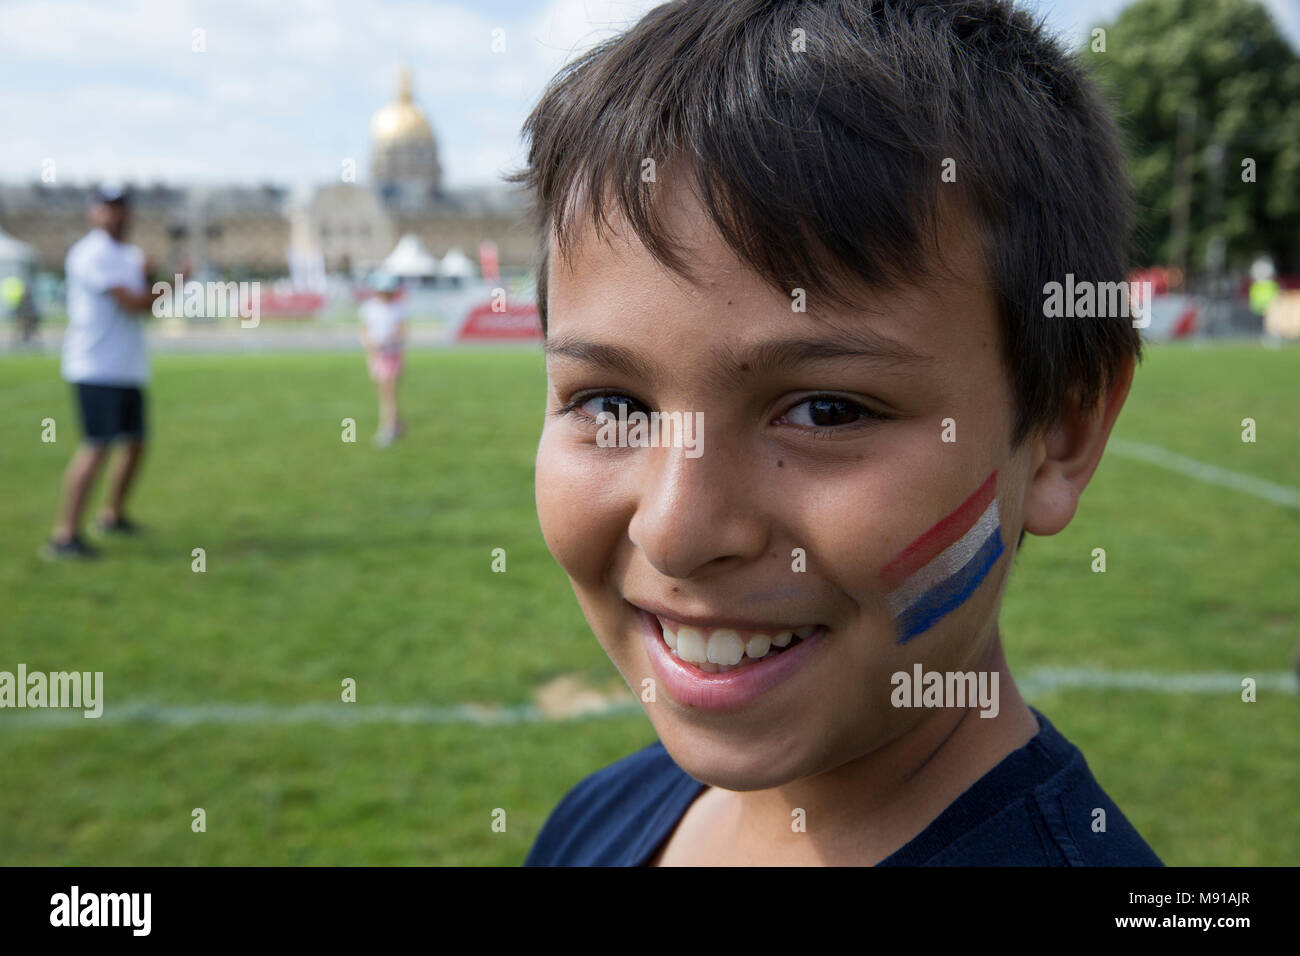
[(1033, 682)]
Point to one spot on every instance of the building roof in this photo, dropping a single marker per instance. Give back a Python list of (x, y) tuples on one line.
[(401, 122)]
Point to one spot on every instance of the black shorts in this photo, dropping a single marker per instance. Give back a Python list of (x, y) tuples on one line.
[(111, 411)]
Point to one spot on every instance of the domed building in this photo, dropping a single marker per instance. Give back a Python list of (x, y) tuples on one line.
[(406, 179), (404, 167), (353, 226), (347, 227)]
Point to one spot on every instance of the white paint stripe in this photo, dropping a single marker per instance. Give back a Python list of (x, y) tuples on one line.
[(946, 563), (1210, 474), (141, 712)]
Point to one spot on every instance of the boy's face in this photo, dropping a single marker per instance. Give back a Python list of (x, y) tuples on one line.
[(793, 457)]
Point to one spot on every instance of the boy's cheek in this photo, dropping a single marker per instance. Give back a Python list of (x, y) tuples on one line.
[(573, 506)]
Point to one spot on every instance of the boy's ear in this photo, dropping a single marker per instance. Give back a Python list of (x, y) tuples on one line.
[(1066, 455)]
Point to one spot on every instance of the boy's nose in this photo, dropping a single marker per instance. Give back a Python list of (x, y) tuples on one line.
[(697, 515)]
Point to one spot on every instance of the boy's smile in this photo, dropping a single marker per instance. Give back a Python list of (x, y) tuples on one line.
[(824, 460)]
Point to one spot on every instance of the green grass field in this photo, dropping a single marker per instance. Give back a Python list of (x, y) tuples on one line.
[(328, 560)]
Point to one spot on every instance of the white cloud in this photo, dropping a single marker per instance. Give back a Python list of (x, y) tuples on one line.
[(284, 91), (568, 27)]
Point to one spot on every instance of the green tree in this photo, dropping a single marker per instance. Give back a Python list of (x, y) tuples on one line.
[(1221, 71)]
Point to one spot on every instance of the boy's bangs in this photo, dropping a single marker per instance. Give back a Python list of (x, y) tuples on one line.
[(815, 182)]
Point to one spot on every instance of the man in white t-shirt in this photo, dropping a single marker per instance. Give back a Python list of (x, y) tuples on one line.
[(105, 359)]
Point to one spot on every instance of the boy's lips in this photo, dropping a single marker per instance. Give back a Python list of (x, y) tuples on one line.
[(706, 622), (707, 685)]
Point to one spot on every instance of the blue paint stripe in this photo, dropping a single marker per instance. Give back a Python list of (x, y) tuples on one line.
[(949, 594)]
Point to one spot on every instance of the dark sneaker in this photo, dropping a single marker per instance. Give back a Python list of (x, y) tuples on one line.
[(72, 549), (119, 526)]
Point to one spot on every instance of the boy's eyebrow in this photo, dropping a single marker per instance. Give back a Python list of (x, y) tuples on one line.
[(861, 345)]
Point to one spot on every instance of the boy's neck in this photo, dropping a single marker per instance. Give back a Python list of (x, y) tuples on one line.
[(863, 811)]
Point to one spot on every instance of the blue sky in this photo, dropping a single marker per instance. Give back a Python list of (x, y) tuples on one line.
[(284, 92)]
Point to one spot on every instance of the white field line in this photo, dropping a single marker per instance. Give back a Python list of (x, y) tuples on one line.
[(1210, 474), (1044, 680), (145, 712), (1033, 683)]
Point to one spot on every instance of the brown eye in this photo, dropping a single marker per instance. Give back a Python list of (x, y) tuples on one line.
[(827, 412), (609, 402)]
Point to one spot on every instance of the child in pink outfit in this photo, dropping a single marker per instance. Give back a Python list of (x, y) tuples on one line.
[(383, 332)]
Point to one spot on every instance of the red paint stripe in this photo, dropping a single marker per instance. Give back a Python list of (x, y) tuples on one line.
[(935, 541)]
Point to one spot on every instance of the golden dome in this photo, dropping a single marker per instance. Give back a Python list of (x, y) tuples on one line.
[(400, 122)]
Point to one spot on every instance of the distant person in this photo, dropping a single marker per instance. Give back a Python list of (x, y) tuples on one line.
[(1264, 286), (383, 332), (105, 359), (21, 306)]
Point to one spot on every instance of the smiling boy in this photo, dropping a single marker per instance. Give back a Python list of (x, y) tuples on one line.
[(825, 229)]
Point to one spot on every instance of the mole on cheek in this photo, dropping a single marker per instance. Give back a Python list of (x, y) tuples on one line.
[(780, 463)]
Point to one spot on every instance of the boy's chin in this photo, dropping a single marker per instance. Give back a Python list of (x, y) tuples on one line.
[(748, 765)]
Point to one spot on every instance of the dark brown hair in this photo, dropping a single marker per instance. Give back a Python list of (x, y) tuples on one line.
[(817, 133)]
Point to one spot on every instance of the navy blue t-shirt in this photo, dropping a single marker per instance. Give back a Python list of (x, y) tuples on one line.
[(1035, 808)]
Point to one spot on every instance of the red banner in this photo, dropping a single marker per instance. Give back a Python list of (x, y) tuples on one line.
[(516, 323)]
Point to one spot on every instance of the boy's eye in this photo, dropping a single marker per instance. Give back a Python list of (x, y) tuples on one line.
[(593, 405), (822, 412), (828, 411)]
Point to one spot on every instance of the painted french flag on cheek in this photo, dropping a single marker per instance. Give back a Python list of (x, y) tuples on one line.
[(937, 572)]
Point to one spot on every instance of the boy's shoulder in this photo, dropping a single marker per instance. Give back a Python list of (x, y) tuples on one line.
[(1040, 806), (617, 815)]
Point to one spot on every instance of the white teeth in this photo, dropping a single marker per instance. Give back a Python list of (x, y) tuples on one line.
[(690, 645), (725, 647), (670, 636)]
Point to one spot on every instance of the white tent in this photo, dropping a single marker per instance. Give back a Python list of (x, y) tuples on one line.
[(410, 260), (15, 255), (456, 265)]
